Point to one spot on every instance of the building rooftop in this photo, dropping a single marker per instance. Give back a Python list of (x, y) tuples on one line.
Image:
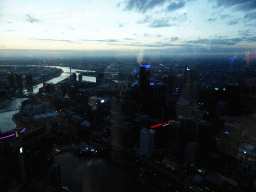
[(249, 149)]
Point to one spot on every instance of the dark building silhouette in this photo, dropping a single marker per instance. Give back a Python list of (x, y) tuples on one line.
[(11, 79), (144, 76), (147, 138), (80, 77), (247, 99), (73, 77), (19, 81), (29, 83), (191, 151), (188, 91), (117, 117), (171, 82), (27, 158)]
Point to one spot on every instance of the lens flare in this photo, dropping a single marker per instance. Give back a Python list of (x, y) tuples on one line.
[(140, 57)]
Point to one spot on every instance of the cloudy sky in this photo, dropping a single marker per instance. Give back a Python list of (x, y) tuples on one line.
[(164, 27)]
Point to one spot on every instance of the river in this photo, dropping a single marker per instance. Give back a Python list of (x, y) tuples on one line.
[(6, 114), (79, 174)]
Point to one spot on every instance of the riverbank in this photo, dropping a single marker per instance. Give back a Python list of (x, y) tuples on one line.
[(48, 78), (5, 103)]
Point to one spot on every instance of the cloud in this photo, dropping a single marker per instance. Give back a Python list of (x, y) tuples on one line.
[(224, 16), (211, 20), (232, 22), (120, 25), (156, 45), (174, 6), (160, 23), (142, 5), (244, 33), (129, 39), (118, 5), (250, 39), (31, 19), (145, 20), (158, 35), (101, 40), (146, 35), (151, 45), (250, 16), (174, 39), (57, 40), (242, 5), (216, 41)]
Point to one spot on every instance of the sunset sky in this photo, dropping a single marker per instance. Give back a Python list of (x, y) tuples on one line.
[(164, 27)]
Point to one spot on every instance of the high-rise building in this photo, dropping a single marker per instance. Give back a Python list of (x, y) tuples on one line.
[(144, 92), (73, 77), (144, 76), (246, 158), (147, 138), (188, 91), (29, 83), (231, 138), (171, 82), (19, 81), (80, 77), (11, 79), (117, 118), (191, 151), (183, 109)]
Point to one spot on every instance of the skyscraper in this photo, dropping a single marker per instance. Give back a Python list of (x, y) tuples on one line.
[(80, 77), (144, 86), (29, 83), (11, 79), (117, 118), (144, 76), (188, 91), (19, 81), (147, 138)]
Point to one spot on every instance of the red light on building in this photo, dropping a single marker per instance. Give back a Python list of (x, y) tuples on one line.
[(160, 124), (113, 80)]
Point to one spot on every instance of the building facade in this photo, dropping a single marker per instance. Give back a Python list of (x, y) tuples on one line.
[(147, 138)]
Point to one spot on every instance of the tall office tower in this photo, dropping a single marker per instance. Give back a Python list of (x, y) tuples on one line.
[(11, 79), (49, 181), (116, 119), (73, 77), (29, 83), (183, 109), (247, 158), (144, 76), (99, 79), (19, 81), (191, 151), (171, 83), (247, 100), (188, 91), (144, 87), (80, 77), (231, 139), (221, 108), (147, 138)]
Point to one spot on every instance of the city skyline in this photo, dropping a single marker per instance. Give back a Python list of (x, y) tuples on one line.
[(126, 28)]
